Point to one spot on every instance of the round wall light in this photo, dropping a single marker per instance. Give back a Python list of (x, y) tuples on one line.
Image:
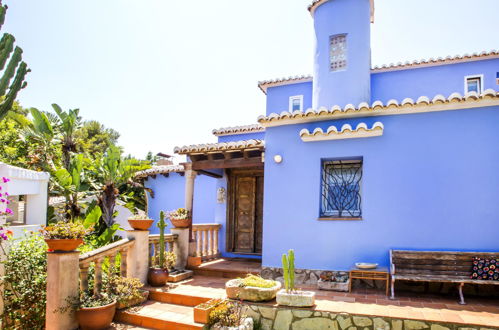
[(278, 159)]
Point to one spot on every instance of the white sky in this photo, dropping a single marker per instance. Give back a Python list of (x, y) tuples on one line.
[(165, 73)]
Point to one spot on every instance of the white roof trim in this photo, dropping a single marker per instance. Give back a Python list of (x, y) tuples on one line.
[(223, 146), (161, 169), (234, 130), (14, 172), (346, 132), (264, 84), (408, 106)]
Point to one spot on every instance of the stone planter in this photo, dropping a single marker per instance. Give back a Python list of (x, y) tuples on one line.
[(296, 298), (246, 324), (181, 223), (133, 302), (140, 224), (202, 311), (333, 285), (250, 293), (96, 318), (63, 245), (157, 277)]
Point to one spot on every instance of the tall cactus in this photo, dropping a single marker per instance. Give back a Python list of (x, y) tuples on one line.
[(288, 266), (161, 225), (13, 66)]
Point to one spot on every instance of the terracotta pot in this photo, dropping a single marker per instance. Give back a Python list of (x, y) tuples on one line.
[(65, 245), (201, 315), (96, 318), (139, 224), (181, 223), (157, 276)]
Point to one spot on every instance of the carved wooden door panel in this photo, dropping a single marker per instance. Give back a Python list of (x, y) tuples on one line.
[(245, 214)]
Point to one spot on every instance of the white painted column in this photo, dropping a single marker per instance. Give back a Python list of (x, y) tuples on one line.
[(190, 175), (137, 259)]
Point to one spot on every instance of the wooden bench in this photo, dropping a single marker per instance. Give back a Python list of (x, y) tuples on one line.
[(436, 266)]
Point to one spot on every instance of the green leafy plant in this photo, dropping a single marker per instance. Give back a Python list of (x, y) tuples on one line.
[(179, 214), (65, 230), (169, 263), (125, 289), (24, 284), (288, 266), (139, 216), (227, 313), (256, 281)]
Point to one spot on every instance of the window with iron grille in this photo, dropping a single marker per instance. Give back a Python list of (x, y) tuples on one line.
[(338, 52), (341, 189)]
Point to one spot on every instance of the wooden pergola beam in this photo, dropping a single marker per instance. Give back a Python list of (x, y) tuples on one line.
[(227, 163)]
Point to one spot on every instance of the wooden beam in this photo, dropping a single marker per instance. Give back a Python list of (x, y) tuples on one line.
[(213, 175), (227, 163)]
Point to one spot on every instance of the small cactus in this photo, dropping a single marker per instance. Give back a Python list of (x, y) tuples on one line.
[(161, 225), (288, 266)]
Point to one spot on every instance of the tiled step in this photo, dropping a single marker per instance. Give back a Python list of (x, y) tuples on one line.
[(227, 268), (176, 298), (159, 315)]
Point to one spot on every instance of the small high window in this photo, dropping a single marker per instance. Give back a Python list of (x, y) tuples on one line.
[(338, 52), (341, 189), (473, 84), (296, 103)]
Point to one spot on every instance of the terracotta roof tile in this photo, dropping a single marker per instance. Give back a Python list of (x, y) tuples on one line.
[(162, 169), (223, 146), (233, 130)]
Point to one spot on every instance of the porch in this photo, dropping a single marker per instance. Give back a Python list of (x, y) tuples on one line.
[(172, 308)]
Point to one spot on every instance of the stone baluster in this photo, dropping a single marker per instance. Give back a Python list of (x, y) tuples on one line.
[(98, 276), (84, 277), (170, 246), (215, 241), (199, 252), (112, 265), (123, 266), (205, 243)]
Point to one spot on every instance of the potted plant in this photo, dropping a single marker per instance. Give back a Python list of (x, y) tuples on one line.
[(332, 281), (95, 311), (202, 311), (158, 273), (140, 222), (289, 296), (252, 288), (228, 315), (127, 291), (180, 218), (64, 236)]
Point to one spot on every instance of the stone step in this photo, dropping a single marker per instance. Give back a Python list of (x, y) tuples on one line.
[(159, 315), (176, 298)]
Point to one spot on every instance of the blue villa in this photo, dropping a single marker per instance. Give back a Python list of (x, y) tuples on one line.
[(351, 161)]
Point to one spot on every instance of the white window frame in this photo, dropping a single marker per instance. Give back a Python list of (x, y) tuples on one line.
[(475, 76), (293, 98)]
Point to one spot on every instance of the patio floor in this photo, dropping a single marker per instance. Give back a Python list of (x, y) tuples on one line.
[(436, 308)]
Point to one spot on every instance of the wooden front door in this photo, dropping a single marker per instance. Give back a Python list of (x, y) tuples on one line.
[(246, 211)]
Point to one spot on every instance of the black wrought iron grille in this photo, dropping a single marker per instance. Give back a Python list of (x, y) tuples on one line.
[(341, 189)]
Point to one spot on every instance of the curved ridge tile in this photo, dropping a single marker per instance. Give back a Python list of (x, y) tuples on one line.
[(346, 132)]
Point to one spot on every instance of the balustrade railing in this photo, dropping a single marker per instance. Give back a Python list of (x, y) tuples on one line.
[(170, 244), (97, 258), (206, 237)]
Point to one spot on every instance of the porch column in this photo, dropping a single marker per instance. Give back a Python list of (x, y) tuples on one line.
[(190, 176)]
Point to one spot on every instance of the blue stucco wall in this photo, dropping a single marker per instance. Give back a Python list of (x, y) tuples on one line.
[(169, 195), (430, 182), (239, 137), (352, 85), (430, 81), (278, 97)]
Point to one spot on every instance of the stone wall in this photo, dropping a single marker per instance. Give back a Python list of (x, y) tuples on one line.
[(310, 277), (277, 318)]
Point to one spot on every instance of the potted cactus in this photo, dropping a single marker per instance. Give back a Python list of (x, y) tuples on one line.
[(290, 296), (180, 218), (140, 222), (158, 273)]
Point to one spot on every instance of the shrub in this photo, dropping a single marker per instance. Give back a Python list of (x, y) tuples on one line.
[(125, 288), (179, 214), (256, 281), (65, 230), (25, 284), (227, 314)]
